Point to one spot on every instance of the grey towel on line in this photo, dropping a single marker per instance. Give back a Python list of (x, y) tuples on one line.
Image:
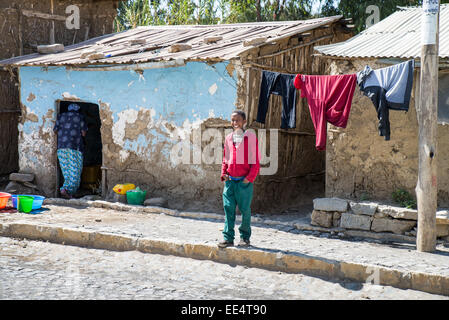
[(388, 88)]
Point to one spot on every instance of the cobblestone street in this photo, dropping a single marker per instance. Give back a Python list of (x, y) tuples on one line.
[(41, 270)]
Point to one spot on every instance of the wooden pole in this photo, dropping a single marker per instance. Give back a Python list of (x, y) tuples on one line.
[(52, 30), (426, 188)]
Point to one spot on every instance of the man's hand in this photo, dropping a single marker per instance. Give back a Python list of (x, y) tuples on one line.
[(225, 177), (245, 181)]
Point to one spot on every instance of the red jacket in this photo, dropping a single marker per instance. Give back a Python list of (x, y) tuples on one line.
[(242, 161)]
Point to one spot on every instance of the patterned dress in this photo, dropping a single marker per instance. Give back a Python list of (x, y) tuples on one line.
[(70, 148)]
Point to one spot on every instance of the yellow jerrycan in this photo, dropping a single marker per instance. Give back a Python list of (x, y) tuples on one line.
[(122, 188)]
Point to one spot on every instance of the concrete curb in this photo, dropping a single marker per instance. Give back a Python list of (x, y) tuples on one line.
[(265, 259)]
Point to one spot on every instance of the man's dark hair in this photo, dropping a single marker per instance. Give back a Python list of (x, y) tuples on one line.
[(241, 113)]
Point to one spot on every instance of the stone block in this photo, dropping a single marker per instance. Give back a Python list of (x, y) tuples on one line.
[(399, 213), (12, 187), (96, 56), (443, 217), (380, 215), (21, 177), (330, 204), (86, 53), (213, 39), (177, 47), (392, 225), (354, 221), (156, 202), (364, 208), (442, 230), (17, 187), (52, 48), (322, 218), (254, 41), (137, 41)]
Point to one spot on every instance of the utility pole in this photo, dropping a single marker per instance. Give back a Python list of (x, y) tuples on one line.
[(426, 188)]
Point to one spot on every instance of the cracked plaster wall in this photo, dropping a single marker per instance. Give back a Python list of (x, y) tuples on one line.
[(143, 117)]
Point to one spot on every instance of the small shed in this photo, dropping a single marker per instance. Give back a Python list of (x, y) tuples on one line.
[(160, 99), (25, 24), (360, 163)]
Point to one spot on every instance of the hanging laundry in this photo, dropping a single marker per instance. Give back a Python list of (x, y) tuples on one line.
[(282, 85), (329, 99), (388, 88)]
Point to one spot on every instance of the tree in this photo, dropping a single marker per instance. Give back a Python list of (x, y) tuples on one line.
[(133, 13), (357, 9), (268, 10)]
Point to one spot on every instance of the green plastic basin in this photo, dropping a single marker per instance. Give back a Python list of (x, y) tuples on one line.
[(135, 197)]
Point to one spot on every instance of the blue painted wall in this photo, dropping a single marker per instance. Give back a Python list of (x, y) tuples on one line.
[(173, 94)]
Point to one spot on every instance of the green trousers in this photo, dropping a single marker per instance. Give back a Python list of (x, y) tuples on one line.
[(237, 193)]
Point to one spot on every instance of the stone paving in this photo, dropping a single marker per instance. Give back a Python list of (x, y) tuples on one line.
[(40, 270), (403, 257)]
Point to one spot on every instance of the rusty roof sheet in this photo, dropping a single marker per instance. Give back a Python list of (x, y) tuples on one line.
[(158, 39), (397, 36)]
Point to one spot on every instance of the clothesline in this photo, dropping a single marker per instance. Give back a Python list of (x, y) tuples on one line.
[(263, 67), (330, 96)]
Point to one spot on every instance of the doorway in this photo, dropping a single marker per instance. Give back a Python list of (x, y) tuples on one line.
[(93, 150)]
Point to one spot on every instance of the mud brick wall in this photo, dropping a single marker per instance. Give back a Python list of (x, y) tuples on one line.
[(360, 163), (21, 30)]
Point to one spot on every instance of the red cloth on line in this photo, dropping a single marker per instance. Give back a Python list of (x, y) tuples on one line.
[(243, 160), (329, 99)]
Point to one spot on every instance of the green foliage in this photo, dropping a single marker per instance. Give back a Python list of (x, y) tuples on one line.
[(404, 198), (357, 9), (133, 13)]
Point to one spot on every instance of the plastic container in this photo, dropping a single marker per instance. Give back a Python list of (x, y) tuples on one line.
[(37, 202), (91, 177), (25, 203), (14, 199), (4, 197), (123, 188), (136, 196)]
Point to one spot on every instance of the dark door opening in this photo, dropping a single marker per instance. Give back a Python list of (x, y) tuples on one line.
[(92, 155)]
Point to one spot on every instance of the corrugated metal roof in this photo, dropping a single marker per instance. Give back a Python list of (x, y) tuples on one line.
[(397, 36), (160, 38)]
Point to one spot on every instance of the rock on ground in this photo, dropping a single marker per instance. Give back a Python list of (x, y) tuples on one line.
[(21, 177), (158, 202)]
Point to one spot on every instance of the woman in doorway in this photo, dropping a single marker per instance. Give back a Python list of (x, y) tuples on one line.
[(70, 128)]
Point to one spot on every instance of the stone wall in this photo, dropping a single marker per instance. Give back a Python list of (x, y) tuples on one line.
[(372, 216), (362, 165)]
